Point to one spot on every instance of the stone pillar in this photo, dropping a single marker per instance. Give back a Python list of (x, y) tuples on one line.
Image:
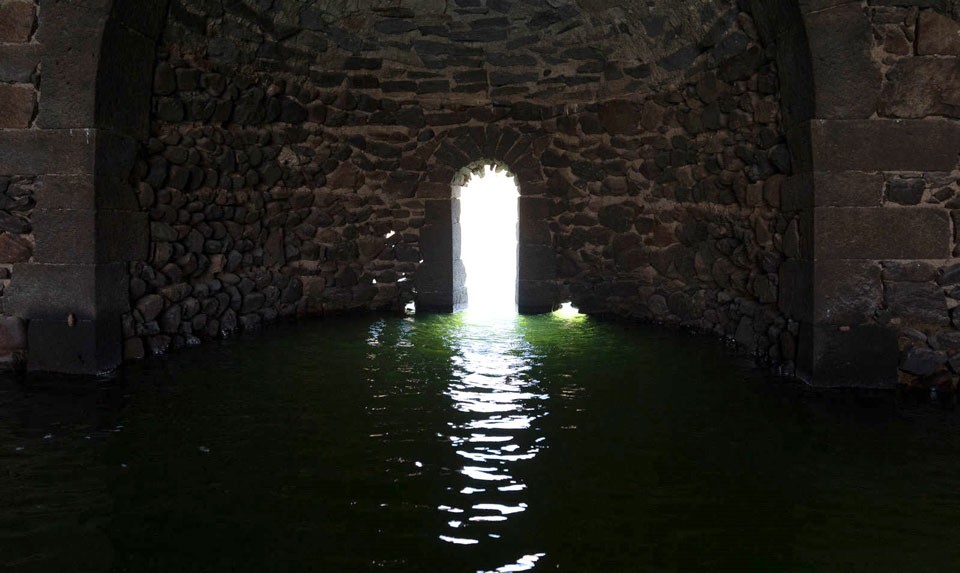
[(537, 291), (854, 240), (855, 234), (97, 61), (441, 279)]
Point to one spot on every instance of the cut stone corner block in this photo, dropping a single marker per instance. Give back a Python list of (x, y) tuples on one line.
[(77, 347)]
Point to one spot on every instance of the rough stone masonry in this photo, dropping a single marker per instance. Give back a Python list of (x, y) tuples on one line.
[(782, 174)]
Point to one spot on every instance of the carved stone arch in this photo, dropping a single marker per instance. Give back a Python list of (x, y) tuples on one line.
[(440, 278)]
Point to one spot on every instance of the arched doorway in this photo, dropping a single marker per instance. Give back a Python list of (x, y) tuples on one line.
[(488, 238)]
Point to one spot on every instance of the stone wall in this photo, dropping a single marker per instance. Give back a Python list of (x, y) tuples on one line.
[(301, 158), (19, 94), (918, 54)]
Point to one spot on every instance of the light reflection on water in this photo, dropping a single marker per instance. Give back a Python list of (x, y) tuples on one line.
[(501, 406), (468, 443)]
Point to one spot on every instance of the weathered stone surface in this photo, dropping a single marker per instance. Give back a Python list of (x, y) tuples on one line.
[(922, 87), (848, 79), (885, 145), (923, 361), (17, 21), (618, 217), (905, 191), (13, 334), (37, 152), (877, 233), (620, 117), (18, 62), (847, 292), (17, 105), (150, 307), (909, 271), (848, 189), (860, 356), (917, 303), (937, 35), (14, 249)]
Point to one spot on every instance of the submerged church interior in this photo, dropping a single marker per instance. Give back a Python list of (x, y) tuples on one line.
[(237, 239), (780, 173)]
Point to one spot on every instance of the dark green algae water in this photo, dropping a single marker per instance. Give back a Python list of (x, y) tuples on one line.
[(465, 443)]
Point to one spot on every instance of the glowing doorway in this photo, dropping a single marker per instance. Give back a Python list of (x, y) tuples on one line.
[(488, 225)]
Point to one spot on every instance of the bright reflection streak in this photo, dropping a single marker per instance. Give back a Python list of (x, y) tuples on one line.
[(525, 563), (496, 410), (458, 540), (488, 223)]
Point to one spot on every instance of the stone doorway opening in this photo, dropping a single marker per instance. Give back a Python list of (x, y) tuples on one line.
[(488, 238)]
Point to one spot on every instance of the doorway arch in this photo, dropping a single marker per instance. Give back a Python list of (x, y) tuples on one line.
[(452, 160)]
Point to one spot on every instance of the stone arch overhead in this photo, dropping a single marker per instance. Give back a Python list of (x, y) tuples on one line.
[(446, 158)]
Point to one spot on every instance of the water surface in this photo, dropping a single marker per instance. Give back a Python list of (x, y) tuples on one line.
[(468, 443)]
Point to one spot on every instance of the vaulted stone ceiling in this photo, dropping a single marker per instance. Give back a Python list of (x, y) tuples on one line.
[(649, 43)]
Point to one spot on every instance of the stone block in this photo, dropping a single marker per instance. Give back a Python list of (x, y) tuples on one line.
[(57, 291), (17, 106), (864, 356), (620, 117), (537, 297), (885, 145), (436, 243), (65, 237), (13, 333), (923, 361), (39, 152), (442, 301), (937, 35), (847, 292), (882, 233), (796, 290), (537, 262), (83, 347), (938, 4), (439, 212), (905, 191), (14, 249), (18, 62), (847, 79), (534, 214), (71, 55), (922, 304), (85, 192), (18, 19), (848, 189), (922, 87), (89, 237), (910, 271)]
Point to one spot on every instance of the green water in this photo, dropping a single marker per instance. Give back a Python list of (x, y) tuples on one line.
[(463, 443)]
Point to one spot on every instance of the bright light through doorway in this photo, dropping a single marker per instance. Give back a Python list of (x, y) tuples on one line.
[(488, 227)]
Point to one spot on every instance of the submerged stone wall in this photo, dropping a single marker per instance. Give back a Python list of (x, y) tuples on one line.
[(19, 94), (918, 54), (301, 160)]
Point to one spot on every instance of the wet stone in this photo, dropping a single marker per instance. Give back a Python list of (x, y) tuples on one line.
[(923, 361)]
